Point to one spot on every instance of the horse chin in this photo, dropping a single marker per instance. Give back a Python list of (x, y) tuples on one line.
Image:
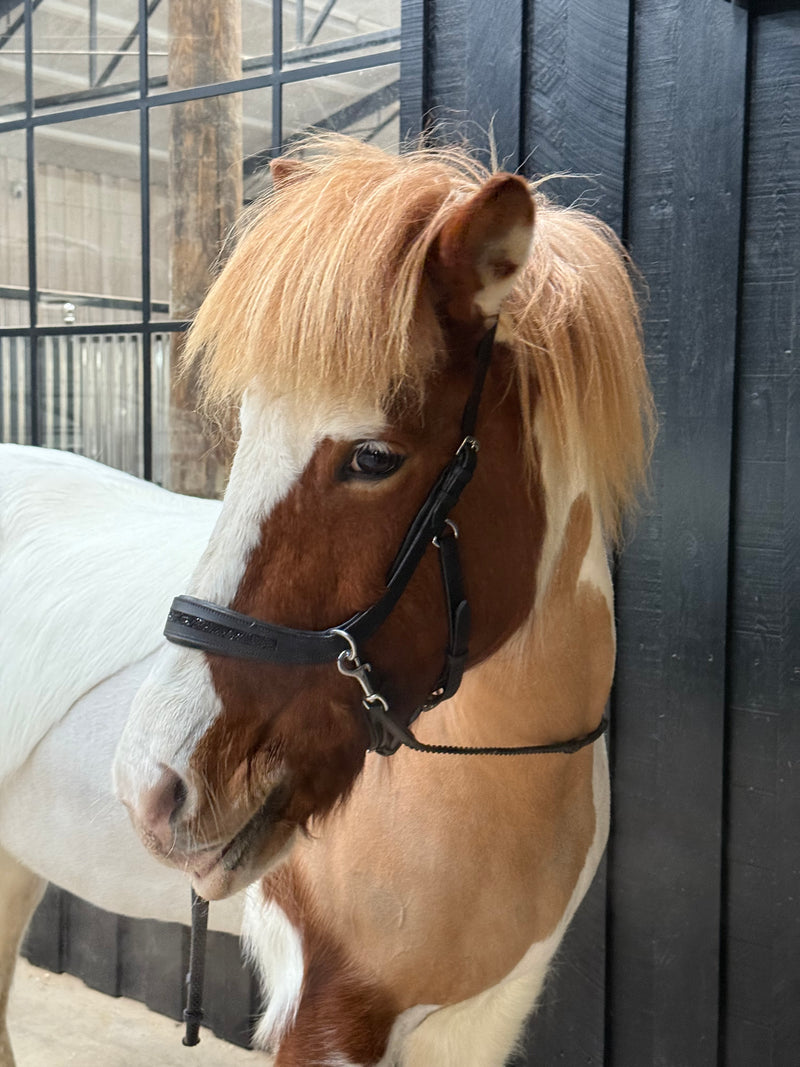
[(233, 869)]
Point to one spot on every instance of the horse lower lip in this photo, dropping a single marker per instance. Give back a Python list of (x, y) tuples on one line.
[(242, 844), (236, 850), (229, 857), (202, 870)]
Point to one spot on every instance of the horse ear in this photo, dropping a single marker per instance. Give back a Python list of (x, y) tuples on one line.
[(286, 171), (481, 249)]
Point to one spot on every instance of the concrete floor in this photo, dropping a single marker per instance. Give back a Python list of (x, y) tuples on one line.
[(55, 1021)]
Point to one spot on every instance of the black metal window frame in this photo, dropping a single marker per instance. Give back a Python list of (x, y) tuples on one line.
[(408, 54)]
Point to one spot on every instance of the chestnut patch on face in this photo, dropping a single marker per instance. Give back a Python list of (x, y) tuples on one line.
[(324, 553)]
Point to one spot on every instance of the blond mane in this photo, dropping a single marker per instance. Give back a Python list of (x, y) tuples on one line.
[(324, 294)]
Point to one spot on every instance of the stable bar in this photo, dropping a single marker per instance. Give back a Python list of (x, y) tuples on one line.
[(263, 81), (277, 88), (331, 48), (144, 178), (30, 167)]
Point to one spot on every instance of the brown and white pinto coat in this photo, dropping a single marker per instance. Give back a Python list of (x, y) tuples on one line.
[(420, 897)]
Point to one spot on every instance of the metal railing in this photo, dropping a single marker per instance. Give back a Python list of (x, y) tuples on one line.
[(91, 397)]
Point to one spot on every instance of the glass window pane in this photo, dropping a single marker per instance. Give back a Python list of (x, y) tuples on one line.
[(199, 44), (85, 52), (257, 142), (256, 37), (204, 199), (88, 228), (15, 423), (90, 397), (160, 352), (158, 45), (12, 64), (13, 231), (160, 216), (363, 103), (320, 31)]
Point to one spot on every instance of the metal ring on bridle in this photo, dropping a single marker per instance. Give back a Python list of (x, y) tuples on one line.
[(376, 698), (453, 527), (350, 653)]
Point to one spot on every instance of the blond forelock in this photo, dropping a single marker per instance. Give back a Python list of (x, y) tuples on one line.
[(324, 294)]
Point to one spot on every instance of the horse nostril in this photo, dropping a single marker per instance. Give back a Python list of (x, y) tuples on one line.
[(160, 807)]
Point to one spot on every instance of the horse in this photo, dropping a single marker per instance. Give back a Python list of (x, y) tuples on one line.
[(380, 707), (78, 539)]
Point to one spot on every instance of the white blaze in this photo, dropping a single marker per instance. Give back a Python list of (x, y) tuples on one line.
[(178, 704)]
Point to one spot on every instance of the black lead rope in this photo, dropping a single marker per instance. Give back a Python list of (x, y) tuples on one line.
[(193, 1012)]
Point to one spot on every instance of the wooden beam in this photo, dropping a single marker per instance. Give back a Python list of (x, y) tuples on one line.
[(761, 1023), (575, 103), (474, 56), (205, 189), (686, 158)]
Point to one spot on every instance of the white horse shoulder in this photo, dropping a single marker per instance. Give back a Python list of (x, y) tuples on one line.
[(70, 613)]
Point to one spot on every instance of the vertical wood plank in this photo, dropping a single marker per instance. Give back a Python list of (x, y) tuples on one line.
[(686, 161), (45, 939), (475, 70), (493, 71), (228, 998), (578, 45), (446, 49), (575, 107), (413, 68), (574, 120), (205, 193), (762, 1024), (153, 959), (91, 951)]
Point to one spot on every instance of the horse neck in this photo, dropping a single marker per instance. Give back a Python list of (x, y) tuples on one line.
[(551, 679)]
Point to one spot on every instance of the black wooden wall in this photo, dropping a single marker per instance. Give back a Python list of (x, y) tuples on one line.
[(680, 120)]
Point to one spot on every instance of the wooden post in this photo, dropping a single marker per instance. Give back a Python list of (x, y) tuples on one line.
[(205, 190)]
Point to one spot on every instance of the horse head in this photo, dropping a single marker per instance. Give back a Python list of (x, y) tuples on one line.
[(351, 317)]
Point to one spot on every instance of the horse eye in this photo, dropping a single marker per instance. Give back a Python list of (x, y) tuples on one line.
[(373, 459)]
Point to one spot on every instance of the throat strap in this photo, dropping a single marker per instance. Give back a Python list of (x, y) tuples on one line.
[(401, 736)]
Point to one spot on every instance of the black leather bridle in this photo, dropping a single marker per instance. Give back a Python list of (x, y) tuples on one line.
[(211, 628), (218, 630)]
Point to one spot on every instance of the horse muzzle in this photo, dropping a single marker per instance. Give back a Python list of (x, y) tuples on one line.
[(185, 831)]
